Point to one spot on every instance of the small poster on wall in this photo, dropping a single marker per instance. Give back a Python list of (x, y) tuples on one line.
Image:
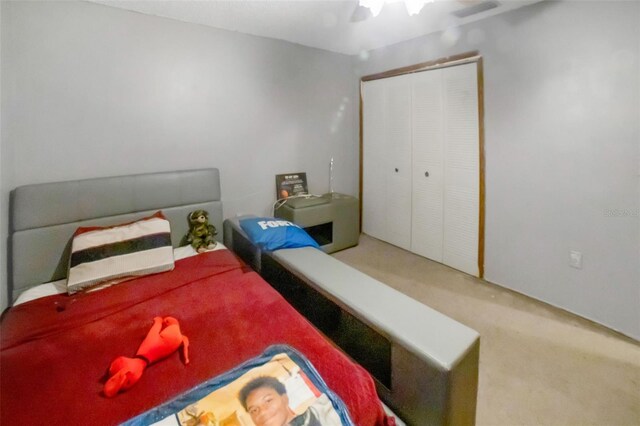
[(291, 184)]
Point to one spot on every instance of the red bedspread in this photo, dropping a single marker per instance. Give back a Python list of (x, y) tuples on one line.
[(55, 351)]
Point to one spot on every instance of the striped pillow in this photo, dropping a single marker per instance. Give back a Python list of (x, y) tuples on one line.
[(102, 256)]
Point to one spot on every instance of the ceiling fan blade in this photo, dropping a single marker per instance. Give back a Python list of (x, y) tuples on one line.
[(475, 7), (360, 13)]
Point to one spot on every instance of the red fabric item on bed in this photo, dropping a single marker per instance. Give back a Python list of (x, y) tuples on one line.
[(56, 350)]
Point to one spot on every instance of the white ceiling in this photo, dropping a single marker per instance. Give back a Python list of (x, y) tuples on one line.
[(325, 24)]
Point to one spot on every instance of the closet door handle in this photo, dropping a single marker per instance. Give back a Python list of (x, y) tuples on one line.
[(426, 174), (396, 170)]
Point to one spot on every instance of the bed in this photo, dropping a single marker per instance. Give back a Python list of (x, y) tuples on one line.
[(55, 349), (424, 363)]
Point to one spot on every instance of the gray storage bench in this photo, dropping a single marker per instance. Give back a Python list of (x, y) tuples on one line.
[(425, 364)]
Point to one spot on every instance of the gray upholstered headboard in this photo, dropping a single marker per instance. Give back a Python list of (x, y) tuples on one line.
[(43, 217)]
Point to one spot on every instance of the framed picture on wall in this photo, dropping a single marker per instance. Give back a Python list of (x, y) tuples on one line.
[(290, 184)]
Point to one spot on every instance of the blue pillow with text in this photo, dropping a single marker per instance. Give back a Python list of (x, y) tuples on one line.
[(272, 234)]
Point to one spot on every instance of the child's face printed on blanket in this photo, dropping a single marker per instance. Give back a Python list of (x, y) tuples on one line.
[(268, 408)]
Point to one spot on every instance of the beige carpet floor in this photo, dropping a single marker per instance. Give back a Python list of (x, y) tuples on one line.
[(539, 365)]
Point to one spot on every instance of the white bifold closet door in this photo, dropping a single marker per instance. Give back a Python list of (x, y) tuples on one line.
[(387, 161), (421, 161), (462, 168), (428, 167), (446, 158)]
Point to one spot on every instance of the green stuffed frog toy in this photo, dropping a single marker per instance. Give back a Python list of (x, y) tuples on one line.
[(201, 233)]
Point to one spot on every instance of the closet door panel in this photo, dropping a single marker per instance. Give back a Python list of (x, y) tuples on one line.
[(373, 197), (461, 168), (427, 157), (398, 157), (373, 159)]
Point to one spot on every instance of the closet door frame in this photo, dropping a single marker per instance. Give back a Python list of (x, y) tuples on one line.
[(464, 58)]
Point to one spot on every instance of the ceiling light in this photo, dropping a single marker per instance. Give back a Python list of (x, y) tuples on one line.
[(375, 6), (415, 6)]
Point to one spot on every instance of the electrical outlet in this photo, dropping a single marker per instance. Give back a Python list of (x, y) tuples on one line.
[(575, 259)]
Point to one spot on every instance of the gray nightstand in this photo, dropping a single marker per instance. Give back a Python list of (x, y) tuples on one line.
[(332, 220)]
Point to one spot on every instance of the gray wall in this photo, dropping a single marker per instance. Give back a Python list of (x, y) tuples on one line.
[(96, 91), (562, 104), (3, 190)]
